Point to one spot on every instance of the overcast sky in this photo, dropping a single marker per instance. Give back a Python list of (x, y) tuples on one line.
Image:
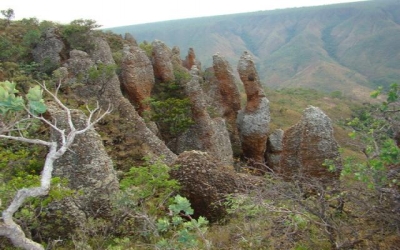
[(112, 13)]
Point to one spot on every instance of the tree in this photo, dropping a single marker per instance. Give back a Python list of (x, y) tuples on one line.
[(16, 114), (8, 14), (378, 127)]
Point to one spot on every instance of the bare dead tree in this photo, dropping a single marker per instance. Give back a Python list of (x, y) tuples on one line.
[(8, 227)]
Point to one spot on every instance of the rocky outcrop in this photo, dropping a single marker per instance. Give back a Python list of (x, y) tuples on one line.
[(253, 121), (132, 138), (227, 98), (190, 60), (307, 145), (274, 149), (47, 52), (87, 167), (90, 173), (137, 77), (78, 65), (209, 135), (206, 183), (162, 64), (130, 39)]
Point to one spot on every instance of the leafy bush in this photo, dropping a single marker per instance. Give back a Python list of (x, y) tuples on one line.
[(77, 34), (180, 230), (172, 115), (375, 126)]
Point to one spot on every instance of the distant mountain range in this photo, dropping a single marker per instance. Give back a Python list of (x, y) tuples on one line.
[(350, 47)]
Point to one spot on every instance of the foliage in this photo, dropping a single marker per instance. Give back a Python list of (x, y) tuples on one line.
[(101, 72), (180, 230), (147, 47), (375, 126), (170, 107), (9, 102), (149, 181), (8, 14), (172, 115), (77, 33)]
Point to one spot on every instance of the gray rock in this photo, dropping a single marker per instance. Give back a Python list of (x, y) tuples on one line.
[(253, 121), (209, 135), (47, 53), (308, 144)]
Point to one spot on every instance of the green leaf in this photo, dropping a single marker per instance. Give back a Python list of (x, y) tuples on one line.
[(181, 204), (162, 225), (37, 107), (35, 94)]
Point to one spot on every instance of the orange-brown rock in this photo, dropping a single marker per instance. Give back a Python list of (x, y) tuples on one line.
[(162, 64), (206, 183), (307, 145), (137, 77), (227, 98), (190, 60), (253, 121), (209, 135)]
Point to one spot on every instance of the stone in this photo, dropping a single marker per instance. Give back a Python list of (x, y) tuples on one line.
[(130, 39), (78, 65), (209, 135), (87, 166), (190, 60), (137, 77), (253, 121), (90, 173), (162, 64), (227, 98), (274, 149), (131, 139), (206, 183), (48, 52), (307, 145)]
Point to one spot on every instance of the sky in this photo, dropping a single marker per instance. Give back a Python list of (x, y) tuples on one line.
[(119, 12)]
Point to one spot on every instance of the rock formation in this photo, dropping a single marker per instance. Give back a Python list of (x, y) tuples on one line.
[(227, 98), (89, 171), (190, 60), (137, 77), (135, 139), (130, 39), (78, 65), (209, 135), (161, 56), (253, 121), (307, 145), (206, 183), (48, 51), (274, 149), (87, 166)]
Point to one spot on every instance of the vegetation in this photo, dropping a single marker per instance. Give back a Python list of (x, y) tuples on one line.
[(8, 14)]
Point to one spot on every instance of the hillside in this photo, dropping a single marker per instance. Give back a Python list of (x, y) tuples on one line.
[(346, 47)]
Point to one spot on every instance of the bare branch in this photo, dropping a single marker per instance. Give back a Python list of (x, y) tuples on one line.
[(90, 123), (23, 139), (58, 101)]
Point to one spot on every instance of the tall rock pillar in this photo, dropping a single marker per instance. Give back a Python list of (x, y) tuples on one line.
[(253, 121)]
